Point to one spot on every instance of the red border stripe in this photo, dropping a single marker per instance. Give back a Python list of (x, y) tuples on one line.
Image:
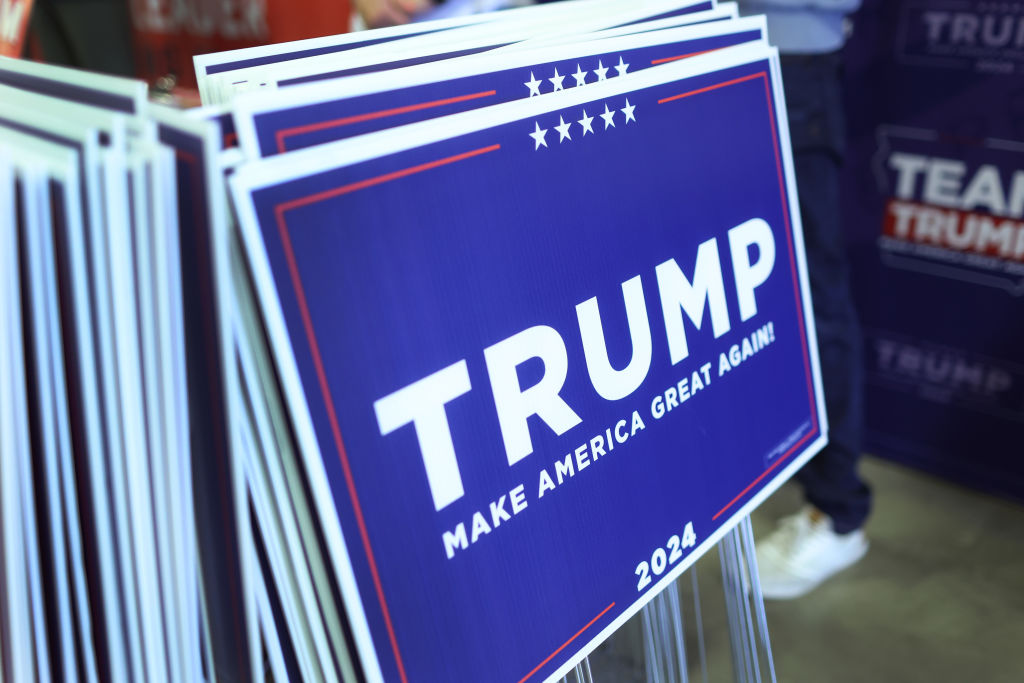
[(796, 280), (716, 86), (566, 643), (381, 179), (284, 133), (764, 474), (663, 60), (789, 239), (300, 294)]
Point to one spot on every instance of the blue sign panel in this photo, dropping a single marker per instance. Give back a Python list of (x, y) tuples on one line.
[(550, 351)]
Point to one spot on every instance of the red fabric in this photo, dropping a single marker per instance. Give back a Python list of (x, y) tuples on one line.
[(13, 24), (167, 33)]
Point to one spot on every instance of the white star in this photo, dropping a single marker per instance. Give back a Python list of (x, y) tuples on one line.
[(538, 136), (557, 81), (563, 130), (601, 71), (609, 117), (628, 111), (533, 84), (580, 76), (586, 123), (621, 67)]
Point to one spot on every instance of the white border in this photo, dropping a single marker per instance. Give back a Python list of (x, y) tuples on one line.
[(74, 186), (72, 115), (285, 168), (16, 555), (796, 221), (202, 63), (41, 162), (227, 57), (17, 644), (220, 86), (100, 83), (208, 134), (723, 11), (279, 527), (85, 133)]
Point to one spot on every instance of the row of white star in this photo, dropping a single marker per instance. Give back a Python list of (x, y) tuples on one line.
[(581, 77), (586, 123)]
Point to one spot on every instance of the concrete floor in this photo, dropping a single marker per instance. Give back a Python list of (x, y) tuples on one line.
[(939, 596)]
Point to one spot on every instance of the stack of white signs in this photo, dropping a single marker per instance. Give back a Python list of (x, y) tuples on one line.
[(113, 411), (509, 326), (523, 327)]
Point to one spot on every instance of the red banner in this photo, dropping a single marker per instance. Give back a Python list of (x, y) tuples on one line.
[(169, 32), (13, 24), (955, 231)]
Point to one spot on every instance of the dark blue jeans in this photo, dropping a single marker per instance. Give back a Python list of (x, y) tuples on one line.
[(817, 127)]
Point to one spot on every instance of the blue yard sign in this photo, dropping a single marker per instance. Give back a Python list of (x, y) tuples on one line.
[(315, 114), (540, 356)]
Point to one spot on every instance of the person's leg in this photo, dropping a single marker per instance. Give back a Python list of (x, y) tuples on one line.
[(814, 105), (810, 546)]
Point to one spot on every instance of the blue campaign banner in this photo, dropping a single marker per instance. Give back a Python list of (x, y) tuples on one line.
[(934, 209), (271, 125), (540, 355)]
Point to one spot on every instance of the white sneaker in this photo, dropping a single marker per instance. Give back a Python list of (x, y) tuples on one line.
[(803, 552)]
